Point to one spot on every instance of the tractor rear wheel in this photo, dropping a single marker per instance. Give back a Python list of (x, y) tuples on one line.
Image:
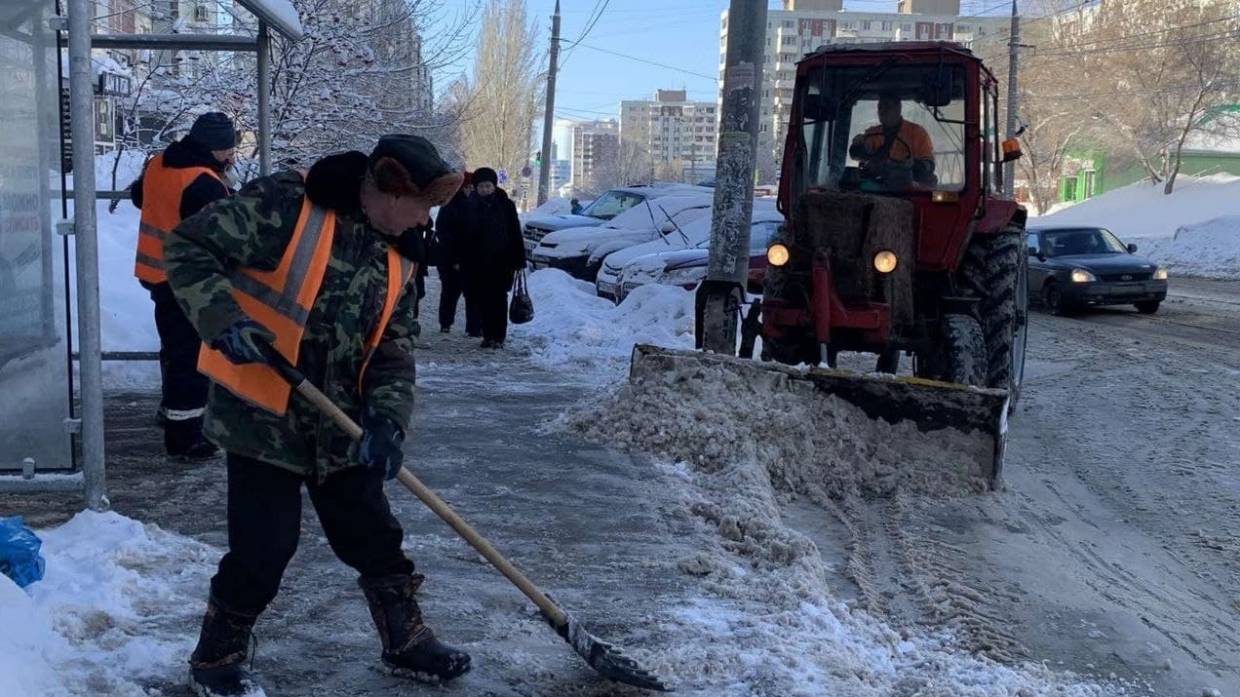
[(995, 269)]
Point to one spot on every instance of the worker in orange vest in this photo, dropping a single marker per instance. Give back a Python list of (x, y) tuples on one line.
[(317, 267), (897, 152), (176, 184)]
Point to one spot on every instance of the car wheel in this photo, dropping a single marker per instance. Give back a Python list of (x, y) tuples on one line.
[(1149, 307), (1052, 300)]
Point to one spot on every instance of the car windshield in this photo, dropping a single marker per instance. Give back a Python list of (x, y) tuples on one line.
[(611, 204), (1066, 243), (883, 128)]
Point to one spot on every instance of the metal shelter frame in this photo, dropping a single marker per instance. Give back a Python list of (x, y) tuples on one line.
[(91, 479)]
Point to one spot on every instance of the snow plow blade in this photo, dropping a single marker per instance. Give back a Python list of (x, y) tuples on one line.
[(980, 413)]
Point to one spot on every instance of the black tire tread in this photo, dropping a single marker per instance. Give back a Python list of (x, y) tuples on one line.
[(991, 270), (965, 359)]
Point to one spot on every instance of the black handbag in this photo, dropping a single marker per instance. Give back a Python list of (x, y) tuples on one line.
[(521, 309)]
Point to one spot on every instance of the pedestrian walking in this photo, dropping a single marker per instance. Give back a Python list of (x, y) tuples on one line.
[(176, 184), (318, 268), (494, 253), (447, 247)]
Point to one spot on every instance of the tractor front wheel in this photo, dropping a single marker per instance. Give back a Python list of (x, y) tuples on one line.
[(995, 269), (960, 357)]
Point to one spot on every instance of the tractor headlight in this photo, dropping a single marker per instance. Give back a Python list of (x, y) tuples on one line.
[(777, 255), (1160, 274), (1082, 276), (885, 261)]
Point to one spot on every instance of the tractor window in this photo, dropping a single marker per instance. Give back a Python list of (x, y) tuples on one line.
[(883, 128)]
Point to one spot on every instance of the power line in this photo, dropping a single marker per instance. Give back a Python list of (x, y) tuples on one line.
[(712, 78), (586, 32)]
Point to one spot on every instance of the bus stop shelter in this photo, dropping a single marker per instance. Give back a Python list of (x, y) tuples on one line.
[(51, 435)]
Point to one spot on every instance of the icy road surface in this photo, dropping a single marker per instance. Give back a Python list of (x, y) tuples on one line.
[(1114, 553)]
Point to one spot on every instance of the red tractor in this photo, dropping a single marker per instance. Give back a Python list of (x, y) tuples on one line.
[(898, 237)]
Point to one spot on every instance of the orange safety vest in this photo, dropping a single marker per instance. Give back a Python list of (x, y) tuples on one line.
[(162, 188), (281, 300)]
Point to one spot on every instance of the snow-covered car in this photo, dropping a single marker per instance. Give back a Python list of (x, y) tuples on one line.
[(571, 250), (687, 267), (598, 212), (608, 281)]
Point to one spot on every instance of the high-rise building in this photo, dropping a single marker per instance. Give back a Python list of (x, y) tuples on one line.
[(804, 25), (594, 142), (672, 129)]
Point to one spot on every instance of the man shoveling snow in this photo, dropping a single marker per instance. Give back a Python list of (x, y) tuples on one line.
[(323, 261)]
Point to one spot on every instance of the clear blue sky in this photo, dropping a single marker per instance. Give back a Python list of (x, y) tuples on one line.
[(680, 33)]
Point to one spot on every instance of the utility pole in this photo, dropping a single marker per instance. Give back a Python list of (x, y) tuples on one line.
[(720, 296), (544, 170), (1013, 100)]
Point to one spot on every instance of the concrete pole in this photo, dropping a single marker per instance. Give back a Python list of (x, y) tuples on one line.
[(1009, 169), (720, 295), (86, 243), (544, 170), (264, 99)]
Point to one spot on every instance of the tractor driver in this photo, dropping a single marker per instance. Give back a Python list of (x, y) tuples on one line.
[(896, 151)]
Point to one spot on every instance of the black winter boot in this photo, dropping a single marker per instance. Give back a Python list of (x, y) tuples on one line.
[(183, 441), (217, 666), (410, 649)]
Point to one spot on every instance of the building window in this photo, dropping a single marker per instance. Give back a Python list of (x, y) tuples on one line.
[(888, 26), (865, 25), (789, 24), (906, 28), (789, 40), (200, 13)]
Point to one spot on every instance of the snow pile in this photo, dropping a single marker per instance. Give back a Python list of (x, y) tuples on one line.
[(552, 206), (573, 328), (117, 607), (1210, 248), (781, 630), (1141, 213)]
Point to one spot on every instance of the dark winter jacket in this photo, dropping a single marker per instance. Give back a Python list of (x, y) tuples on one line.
[(253, 229), (204, 189), (495, 249), (448, 232)]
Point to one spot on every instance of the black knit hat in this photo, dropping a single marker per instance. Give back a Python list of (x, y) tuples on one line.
[(214, 131), (485, 174), (411, 166)]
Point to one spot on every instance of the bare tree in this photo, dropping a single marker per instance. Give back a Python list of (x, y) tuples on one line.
[(630, 164), (499, 103)]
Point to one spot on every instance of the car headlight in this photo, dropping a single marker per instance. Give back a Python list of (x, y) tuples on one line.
[(1160, 274), (1082, 276), (777, 255), (689, 276), (885, 261)]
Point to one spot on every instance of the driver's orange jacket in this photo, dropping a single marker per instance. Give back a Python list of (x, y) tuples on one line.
[(911, 141)]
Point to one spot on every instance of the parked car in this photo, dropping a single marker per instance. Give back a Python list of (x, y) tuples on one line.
[(604, 208), (689, 236), (687, 267), (579, 251), (1079, 266)]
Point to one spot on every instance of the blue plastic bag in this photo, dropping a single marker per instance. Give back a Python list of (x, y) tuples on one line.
[(19, 552)]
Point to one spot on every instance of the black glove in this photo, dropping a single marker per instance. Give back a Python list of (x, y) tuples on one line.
[(245, 341), (380, 446)]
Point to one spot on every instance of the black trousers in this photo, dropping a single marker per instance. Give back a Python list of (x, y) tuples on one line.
[(489, 292), (452, 287), (264, 522), (184, 389)]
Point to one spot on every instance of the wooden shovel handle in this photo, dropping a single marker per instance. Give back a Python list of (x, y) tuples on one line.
[(440, 507)]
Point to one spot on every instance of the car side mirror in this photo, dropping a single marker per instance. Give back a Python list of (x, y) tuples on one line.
[(1033, 251), (1041, 256), (1132, 248), (667, 228)]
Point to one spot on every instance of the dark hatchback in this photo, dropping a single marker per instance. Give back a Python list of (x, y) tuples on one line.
[(1080, 266)]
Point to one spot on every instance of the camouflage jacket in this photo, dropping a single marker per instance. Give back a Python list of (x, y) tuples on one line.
[(252, 229)]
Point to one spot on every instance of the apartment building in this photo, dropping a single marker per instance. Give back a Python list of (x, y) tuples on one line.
[(804, 25), (594, 143), (672, 129)]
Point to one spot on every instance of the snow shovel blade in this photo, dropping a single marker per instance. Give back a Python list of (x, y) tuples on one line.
[(607, 659), (931, 405)]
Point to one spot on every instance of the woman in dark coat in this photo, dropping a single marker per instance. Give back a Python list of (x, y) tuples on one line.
[(494, 254), (448, 242)]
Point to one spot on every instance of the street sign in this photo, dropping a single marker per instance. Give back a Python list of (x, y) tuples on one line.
[(503, 176), (526, 171)]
